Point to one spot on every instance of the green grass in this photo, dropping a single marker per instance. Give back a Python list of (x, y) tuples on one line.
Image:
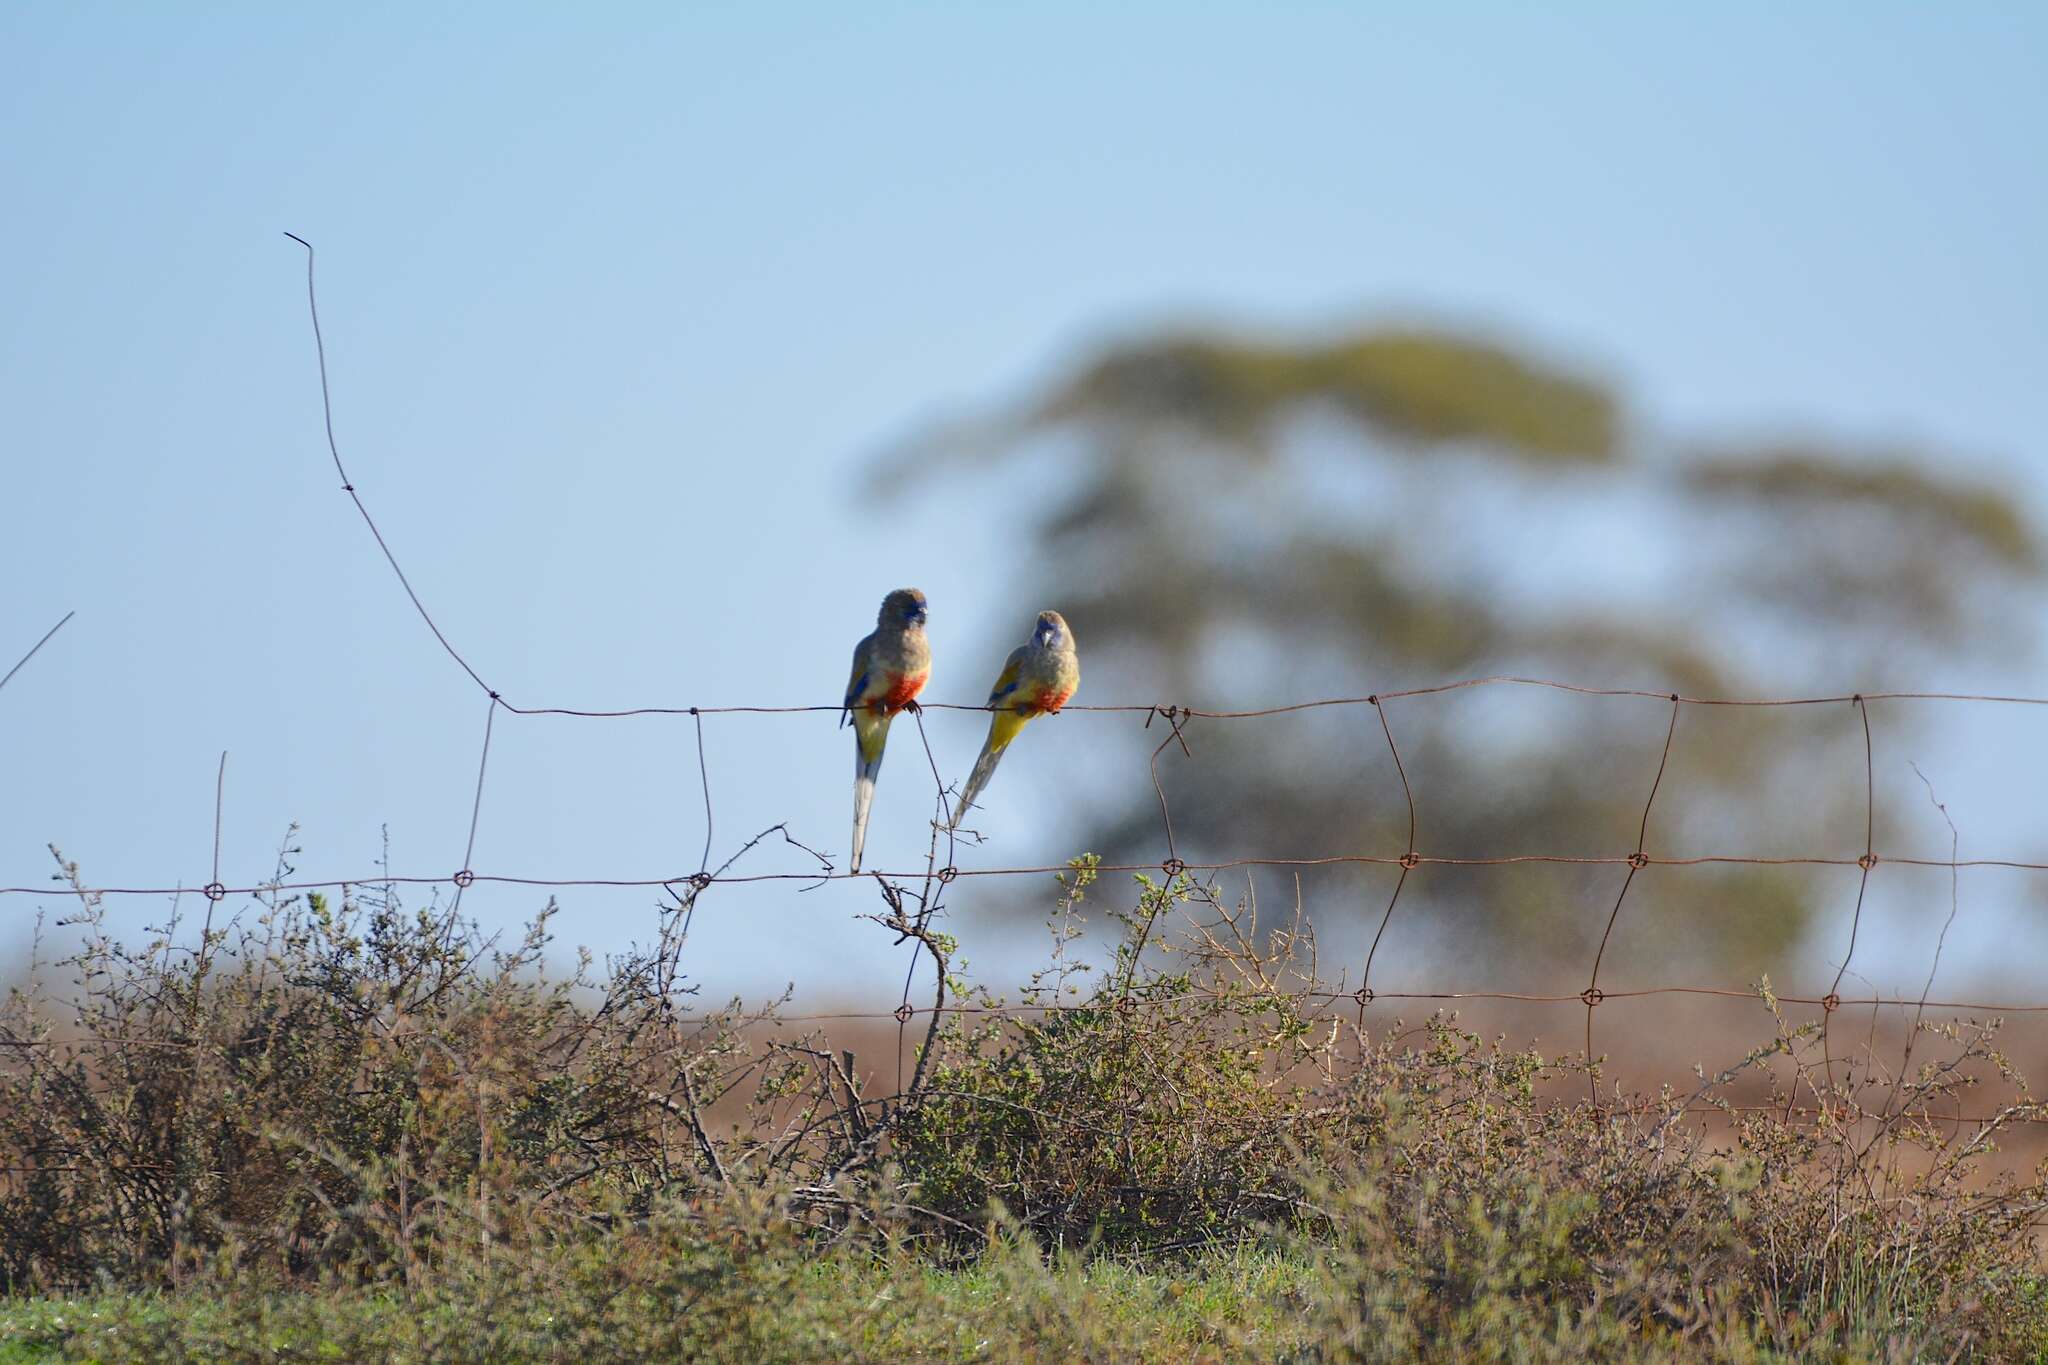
[(1247, 1302), (1248, 1299)]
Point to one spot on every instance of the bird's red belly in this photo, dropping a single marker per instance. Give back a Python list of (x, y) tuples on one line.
[(902, 691), (1053, 701)]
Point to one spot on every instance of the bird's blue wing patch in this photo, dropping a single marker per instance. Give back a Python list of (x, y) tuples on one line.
[(1010, 678)]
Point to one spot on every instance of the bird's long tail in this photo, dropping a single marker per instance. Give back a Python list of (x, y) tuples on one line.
[(869, 741), (1001, 731)]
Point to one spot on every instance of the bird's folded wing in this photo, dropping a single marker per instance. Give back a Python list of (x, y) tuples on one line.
[(1010, 680), (857, 681)]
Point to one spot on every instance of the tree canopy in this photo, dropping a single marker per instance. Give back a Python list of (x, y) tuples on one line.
[(1260, 520)]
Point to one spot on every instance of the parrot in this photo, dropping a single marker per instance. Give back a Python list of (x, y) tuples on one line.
[(890, 667), (1037, 679)]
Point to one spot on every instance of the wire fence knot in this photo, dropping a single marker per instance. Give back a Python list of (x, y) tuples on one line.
[(1592, 995), (698, 880), (1173, 867), (1830, 1002), (1638, 860), (215, 892), (464, 878), (1410, 860), (1867, 861), (904, 1013), (1364, 995), (947, 874), (1175, 716)]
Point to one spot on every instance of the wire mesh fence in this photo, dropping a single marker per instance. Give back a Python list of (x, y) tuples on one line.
[(916, 893)]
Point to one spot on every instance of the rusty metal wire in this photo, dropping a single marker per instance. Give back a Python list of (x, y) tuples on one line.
[(1633, 860)]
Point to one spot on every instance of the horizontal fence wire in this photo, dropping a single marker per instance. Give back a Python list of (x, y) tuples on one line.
[(462, 879)]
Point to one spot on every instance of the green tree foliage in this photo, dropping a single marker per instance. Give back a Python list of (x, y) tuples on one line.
[(1251, 521)]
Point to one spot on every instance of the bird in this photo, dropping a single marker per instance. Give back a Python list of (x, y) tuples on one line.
[(890, 667), (1037, 680)]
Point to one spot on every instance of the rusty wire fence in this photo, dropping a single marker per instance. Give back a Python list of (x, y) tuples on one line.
[(916, 893)]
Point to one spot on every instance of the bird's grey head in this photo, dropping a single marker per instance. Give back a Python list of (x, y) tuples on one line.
[(1052, 632), (902, 609)]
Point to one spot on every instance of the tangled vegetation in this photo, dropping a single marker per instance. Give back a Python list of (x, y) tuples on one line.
[(352, 1130)]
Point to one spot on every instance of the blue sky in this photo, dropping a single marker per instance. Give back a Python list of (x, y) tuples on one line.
[(621, 302)]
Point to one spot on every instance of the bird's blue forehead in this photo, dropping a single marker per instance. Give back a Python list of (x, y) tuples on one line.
[(906, 604)]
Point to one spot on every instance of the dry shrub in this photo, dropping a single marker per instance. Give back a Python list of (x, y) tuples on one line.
[(1464, 1192), (324, 1088)]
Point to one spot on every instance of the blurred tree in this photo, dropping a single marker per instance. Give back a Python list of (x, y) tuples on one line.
[(1260, 521)]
